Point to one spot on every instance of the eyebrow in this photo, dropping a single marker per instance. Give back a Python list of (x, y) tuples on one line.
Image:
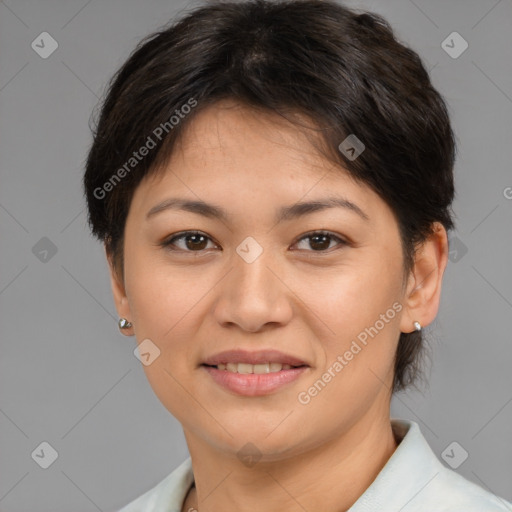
[(284, 213)]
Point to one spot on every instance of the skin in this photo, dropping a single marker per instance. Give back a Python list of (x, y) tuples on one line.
[(306, 302)]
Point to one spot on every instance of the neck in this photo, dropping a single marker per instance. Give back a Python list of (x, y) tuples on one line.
[(329, 477)]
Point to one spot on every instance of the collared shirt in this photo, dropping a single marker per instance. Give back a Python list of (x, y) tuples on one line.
[(413, 480)]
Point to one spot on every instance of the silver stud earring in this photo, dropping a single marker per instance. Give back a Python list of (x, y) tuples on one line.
[(417, 326), (124, 324)]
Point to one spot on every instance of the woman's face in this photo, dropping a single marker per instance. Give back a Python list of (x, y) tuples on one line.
[(262, 279)]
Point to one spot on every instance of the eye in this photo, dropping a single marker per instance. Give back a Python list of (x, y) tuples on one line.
[(193, 241), (321, 240)]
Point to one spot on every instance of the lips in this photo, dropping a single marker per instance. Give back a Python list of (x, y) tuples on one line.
[(254, 384), (253, 358)]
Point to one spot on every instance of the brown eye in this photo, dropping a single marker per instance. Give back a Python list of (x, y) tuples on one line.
[(321, 241), (192, 242)]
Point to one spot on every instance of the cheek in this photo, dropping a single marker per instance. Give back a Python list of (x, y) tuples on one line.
[(358, 360), (160, 296), (356, 317), (350, 298), (165, 305)]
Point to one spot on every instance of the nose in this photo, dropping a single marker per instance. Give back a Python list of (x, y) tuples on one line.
[(254, 296)]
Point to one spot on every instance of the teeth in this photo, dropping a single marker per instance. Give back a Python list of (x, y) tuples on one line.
[(253, 368)]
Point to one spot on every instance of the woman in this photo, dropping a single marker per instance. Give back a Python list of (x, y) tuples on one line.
[(273, 184)]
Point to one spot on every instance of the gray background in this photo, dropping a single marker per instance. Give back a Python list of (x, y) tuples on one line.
[(69, 378)]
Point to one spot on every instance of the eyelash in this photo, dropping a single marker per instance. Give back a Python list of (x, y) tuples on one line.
[(169, 242)]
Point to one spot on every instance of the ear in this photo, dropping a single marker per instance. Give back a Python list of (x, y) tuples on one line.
[(119, 293), (421, 301)]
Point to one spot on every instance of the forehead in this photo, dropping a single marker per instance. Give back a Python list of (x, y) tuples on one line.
[(227, 124), (229, 139), (230, 150)]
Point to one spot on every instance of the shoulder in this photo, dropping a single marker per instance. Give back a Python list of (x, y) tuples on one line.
[(415, 480), (450, 491), (432, 486)]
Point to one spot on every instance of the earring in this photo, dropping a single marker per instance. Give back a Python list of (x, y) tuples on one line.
[(124, 324), (417, 326)]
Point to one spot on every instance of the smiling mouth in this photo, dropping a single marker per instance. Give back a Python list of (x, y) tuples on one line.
[(246, 368), (251, 380)]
